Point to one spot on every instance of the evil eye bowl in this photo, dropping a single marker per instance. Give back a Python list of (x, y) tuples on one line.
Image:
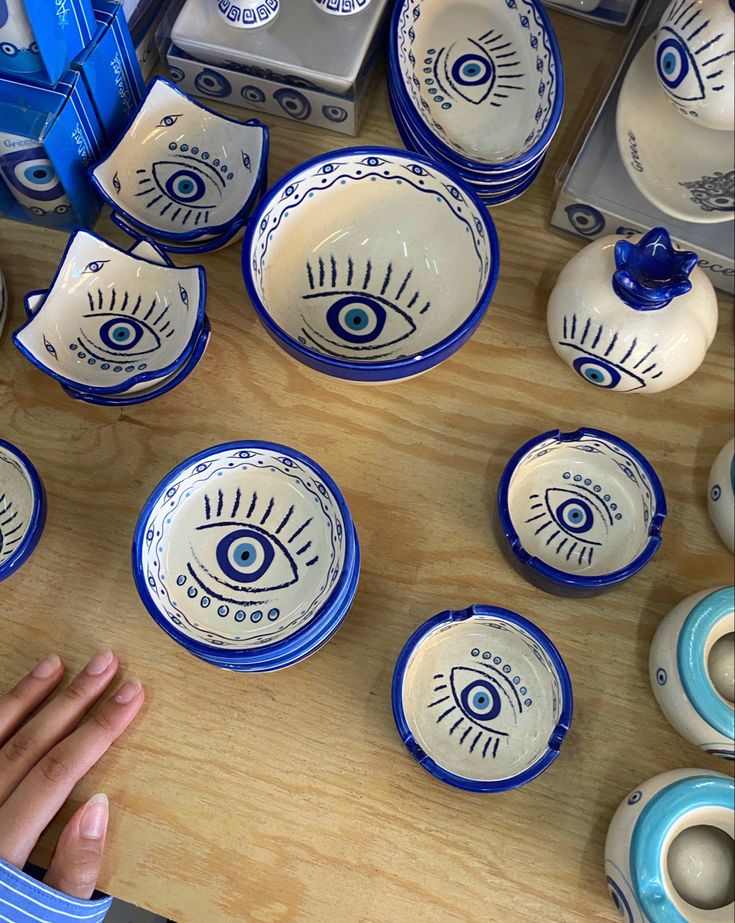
[(669, 850), (182, 172), (695, 62), (481, 82), (482, 699), (246, 555), (721, 494), (579, 512), (692, 670), (22, 508), (683, 168), (370, 264), (113, 322), (200, 245)]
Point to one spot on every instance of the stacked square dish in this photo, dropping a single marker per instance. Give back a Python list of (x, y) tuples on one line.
[(183, 175), (116, 328), (478, 88)]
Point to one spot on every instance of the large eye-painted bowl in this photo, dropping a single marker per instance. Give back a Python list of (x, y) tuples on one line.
[(669, 851), (370, 264), (683, 168), (579, 512), (22, 508), (246, 555), (695, 61), (692, 670), (721, 494), (113, 321), (483, 79), (482, 699), (182, 171)]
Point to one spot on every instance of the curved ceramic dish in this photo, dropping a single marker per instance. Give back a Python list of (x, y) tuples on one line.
[(682, 168), (182, 171), (692, 670), (483, 79), (201, 245), (246, 555), (113, 320), (482, 699), (580, 512), (668, 854), (22, 508), (378, 313), (721, 494)]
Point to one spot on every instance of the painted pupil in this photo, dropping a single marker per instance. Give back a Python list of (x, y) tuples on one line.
[(244, 555), (356, 319)]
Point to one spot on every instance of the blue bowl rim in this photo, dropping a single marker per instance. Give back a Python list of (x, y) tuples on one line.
[(380, 370), (553, 574), (134, 379), (38, 514), (307, 638), (395, 78), (557, 736), (206, 246), (237, 221)]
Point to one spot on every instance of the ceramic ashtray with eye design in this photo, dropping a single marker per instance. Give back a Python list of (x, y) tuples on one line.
[(482, 81), (669, 854), (482, 699), (633, 315), (370, 264), (579, 512), (22, 508), (113, 321), (182, 171), (721, 494), (246, 555), (692, 670)]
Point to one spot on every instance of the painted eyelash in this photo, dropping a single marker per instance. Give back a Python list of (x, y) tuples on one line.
[(11, 537), (579, 335), (676, 14), (132, 309), (324, 271)]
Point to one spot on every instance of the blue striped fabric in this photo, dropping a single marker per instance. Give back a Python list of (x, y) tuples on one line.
[(25, 900)]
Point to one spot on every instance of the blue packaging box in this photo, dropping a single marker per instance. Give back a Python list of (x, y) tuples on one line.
[(40, 38), (110, 70), (49, 137)]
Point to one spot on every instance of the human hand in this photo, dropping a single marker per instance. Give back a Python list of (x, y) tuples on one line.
[(43, 758)]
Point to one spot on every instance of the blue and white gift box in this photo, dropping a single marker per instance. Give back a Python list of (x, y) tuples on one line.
[(49, 136), (40, 38)]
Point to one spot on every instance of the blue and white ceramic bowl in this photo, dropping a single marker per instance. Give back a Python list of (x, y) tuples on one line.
[(482, 79), (482, 699), (246, 555), (113, 321), (22, 508), (579, 512), (669, 850), (182, 172), (370, 264), (692, 670), (191, 247)]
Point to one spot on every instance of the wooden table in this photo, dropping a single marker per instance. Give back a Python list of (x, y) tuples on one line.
[(290, 796)]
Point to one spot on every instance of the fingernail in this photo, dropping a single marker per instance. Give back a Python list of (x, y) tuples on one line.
[(93, 821), (99, 663), (129, 691), (47, 667)]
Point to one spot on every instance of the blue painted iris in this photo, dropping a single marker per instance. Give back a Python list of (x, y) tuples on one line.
[(121, 335), (185, 186), (597, 371), (245, 555), (471, 70), (575, 515), (480, 700), (677, 67), (356, 319)]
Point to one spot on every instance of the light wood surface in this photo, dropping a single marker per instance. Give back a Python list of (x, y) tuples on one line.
[(289, 797)]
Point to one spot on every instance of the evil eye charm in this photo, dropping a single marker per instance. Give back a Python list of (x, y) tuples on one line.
[(334, 113), (597, 371), (30, 172), (357, 319), (677, 67), (252, 94), (210, 83), (293, 103), (586, 220)]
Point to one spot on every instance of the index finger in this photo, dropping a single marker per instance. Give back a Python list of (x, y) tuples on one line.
[(40, 796), (28, 694)]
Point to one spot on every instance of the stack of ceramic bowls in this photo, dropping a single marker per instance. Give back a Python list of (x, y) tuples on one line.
[(116, 328), (183, 175), (22, 508), (246, 555), (478, 86)]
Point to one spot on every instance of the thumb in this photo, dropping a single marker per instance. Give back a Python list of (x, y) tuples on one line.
[(77, 859)]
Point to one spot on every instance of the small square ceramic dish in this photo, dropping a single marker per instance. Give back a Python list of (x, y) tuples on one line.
[(370, 264), (22, 508), (482, 699), (182, 171), (246, 555), (481, 79), (579, 512), (113, 321)]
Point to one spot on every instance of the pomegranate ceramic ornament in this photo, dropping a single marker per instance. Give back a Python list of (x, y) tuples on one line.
[(633, 314)]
